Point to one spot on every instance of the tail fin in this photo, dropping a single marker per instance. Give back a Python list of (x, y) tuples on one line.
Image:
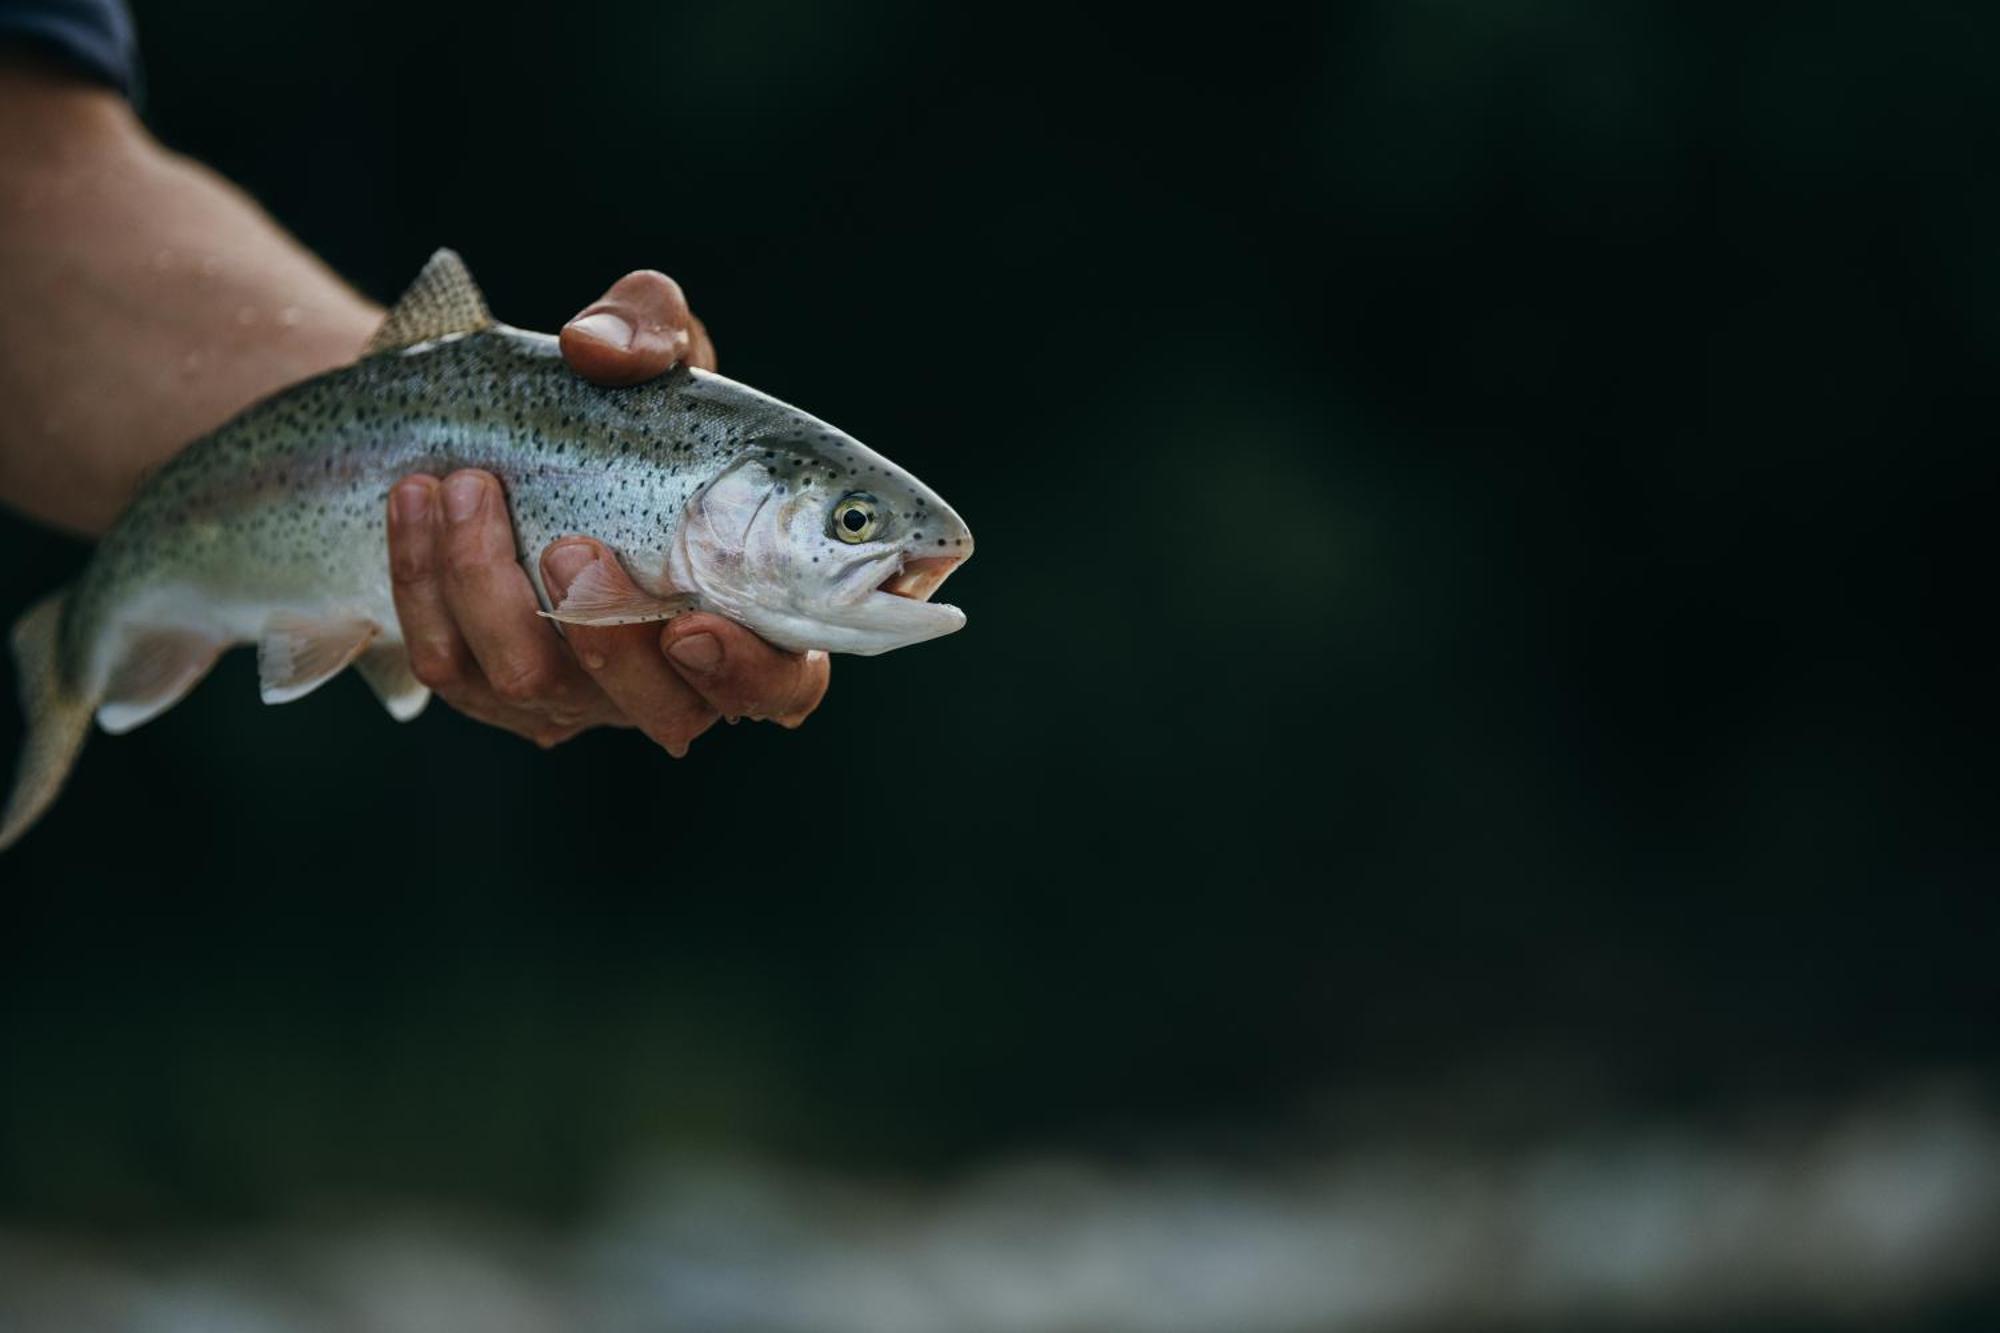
[(58, 722)]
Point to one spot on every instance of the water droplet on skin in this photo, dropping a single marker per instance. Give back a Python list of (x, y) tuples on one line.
[(289, 317), (210, 266)]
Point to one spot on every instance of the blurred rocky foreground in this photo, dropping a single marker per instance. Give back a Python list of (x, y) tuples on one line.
[(1884, 1211)]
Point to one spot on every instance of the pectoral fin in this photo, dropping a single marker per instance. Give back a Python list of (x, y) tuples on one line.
[(600, 597), (386, 668), (297, 655), (155, 669)]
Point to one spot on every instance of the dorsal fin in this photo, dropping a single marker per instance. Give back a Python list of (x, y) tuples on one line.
[(444, 299)]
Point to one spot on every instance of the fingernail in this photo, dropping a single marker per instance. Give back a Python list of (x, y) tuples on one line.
[(567, 561), (697, 652), (461, 498), (605, 327), (413, 503), (678, 751)]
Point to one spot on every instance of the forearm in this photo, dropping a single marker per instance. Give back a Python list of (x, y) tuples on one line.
[(143, 301)]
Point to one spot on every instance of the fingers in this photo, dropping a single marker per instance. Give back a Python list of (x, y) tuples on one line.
[(494, 605), (636, 330), (739, 674), (625, 660), (468, 613), (438, 655)]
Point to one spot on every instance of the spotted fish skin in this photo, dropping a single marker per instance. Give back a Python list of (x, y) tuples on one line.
[(272, 529), (287, 504)]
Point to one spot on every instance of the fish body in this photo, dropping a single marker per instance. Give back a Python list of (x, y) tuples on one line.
[(272, 529)]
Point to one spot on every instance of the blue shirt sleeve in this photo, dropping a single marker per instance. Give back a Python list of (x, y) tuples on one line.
[(94, 37)]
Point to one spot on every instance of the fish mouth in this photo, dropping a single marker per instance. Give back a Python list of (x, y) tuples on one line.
[(903, 599), (918, 579)]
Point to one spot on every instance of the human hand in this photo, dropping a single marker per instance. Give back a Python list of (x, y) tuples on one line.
[(468, 611)]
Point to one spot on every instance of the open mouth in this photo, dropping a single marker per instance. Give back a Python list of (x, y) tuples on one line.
[(919, 578)]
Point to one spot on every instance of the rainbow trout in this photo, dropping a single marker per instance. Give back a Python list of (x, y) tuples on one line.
[(271, 530)]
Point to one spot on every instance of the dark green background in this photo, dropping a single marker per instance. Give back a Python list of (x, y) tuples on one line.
[(1484, 523)]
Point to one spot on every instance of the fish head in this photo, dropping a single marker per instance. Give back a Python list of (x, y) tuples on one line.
[(817, 542)]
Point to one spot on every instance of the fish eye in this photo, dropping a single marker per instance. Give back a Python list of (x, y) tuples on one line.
[(854, 518)]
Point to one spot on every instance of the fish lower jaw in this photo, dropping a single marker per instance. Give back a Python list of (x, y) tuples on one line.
[(878, 623), (894, 621), (893, 612), (908, 611)]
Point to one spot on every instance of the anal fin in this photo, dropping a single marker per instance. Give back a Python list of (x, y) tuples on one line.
[(155, 669), (298, 654), (602, 597), (386, 668)]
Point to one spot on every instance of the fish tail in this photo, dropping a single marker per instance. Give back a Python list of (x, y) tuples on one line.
[(58, 720)]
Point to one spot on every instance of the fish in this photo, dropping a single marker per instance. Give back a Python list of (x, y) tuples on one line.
[(272, 529)]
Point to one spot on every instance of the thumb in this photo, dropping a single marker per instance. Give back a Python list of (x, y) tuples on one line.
[(636, 330)]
